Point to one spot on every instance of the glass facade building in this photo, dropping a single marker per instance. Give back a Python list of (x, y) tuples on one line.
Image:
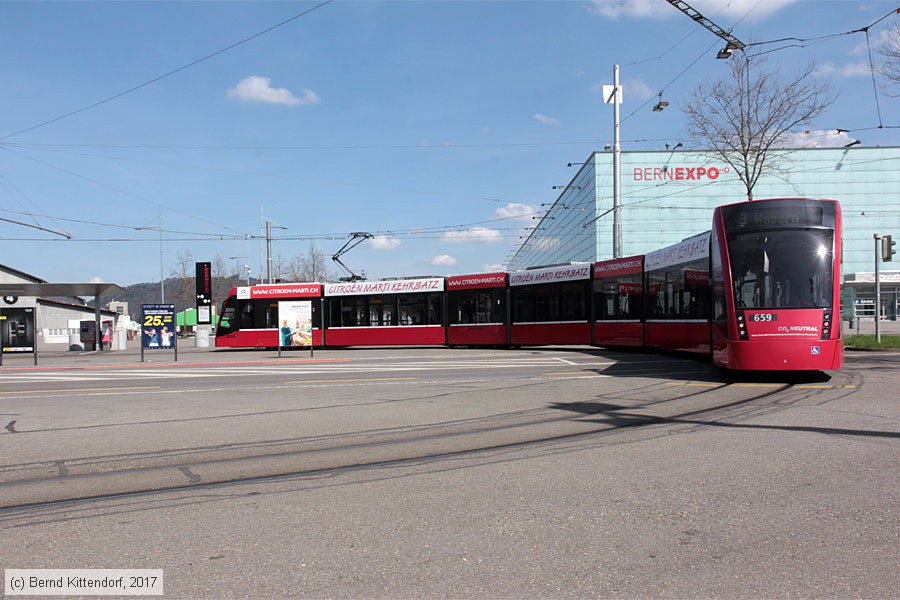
[(667, 196)]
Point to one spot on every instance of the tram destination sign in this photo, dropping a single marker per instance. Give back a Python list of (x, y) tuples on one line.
[(773, 215)]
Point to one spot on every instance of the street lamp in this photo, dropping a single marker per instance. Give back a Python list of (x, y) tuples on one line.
[(661, 105), (247, 268)]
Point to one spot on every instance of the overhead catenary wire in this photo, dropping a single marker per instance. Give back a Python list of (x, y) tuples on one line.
[(169, 73), (116, 189)]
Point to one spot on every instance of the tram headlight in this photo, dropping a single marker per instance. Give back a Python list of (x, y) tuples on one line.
[(822, 252)]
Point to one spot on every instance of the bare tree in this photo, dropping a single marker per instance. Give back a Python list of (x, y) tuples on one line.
[(745, 116), (185, 272), (222, 279), (889, 49), (310, 266)]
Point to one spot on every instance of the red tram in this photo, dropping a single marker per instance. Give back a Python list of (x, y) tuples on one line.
[(549, 305), (400, 312), (759, 291), (619, 302), (775, 275), (477, 313), (249, 317)]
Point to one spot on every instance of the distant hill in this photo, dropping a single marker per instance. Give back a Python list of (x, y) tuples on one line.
[(179, 292)]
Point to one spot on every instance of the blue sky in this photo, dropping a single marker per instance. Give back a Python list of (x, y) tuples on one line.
[(440, 127)]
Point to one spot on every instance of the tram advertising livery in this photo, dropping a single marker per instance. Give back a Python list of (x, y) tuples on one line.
[(758, 291)]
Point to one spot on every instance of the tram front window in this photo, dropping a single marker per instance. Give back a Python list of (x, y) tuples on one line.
[(786, 268)]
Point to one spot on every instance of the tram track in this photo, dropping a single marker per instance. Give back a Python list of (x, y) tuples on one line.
[(66, 481)]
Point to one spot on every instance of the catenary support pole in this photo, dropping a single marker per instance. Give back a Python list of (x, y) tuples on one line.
[(617, 169)]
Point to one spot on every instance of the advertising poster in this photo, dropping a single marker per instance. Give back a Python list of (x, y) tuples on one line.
[(295, 323), (17, 329), (158, 327), (87, 332)]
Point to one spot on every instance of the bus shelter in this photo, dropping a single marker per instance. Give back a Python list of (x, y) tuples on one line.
[(45, 290)]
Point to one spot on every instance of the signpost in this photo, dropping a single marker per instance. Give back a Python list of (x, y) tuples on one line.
[(158, 328), (295, 325), (203, 281), (204, 293)]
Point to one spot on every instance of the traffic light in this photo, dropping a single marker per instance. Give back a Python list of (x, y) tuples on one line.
[(887, 248)]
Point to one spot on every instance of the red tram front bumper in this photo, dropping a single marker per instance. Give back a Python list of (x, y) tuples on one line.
[(781, 355)]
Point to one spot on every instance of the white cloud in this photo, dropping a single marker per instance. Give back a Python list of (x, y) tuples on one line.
[(754, 10), (493, 267), (813, 138), (259, 89), (613, 9), (442, 260), (545, 120), (96, 279), (475, 234), (386, 243), (513, 210), (638, 89), (848, 70), (632, 89)]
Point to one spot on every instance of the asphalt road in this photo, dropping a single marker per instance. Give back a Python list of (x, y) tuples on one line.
[(437, 473)]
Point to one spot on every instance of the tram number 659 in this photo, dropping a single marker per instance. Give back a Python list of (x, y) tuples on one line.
[(764, 317)]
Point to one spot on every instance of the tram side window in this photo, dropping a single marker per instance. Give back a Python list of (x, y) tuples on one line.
[(656, 295), (435, 309), (266, 314), (631, 298), (550, 303), (382, 311), (245, 314), (461, 307), (348, 312), (475, 307), (523, 305), (547, 303), (573, 302), (682, 292), (228, 320), (606, 299), (695, 294), (718, 282), (413, 310), (485, 304), (618, 298)]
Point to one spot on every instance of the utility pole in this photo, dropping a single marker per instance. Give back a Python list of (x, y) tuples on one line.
[(617, 169), (162, 277), (613, 94), (878, 288), (269, 278), (268, 252)]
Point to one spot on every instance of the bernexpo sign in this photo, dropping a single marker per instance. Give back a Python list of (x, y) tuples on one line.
[(679, 173)]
